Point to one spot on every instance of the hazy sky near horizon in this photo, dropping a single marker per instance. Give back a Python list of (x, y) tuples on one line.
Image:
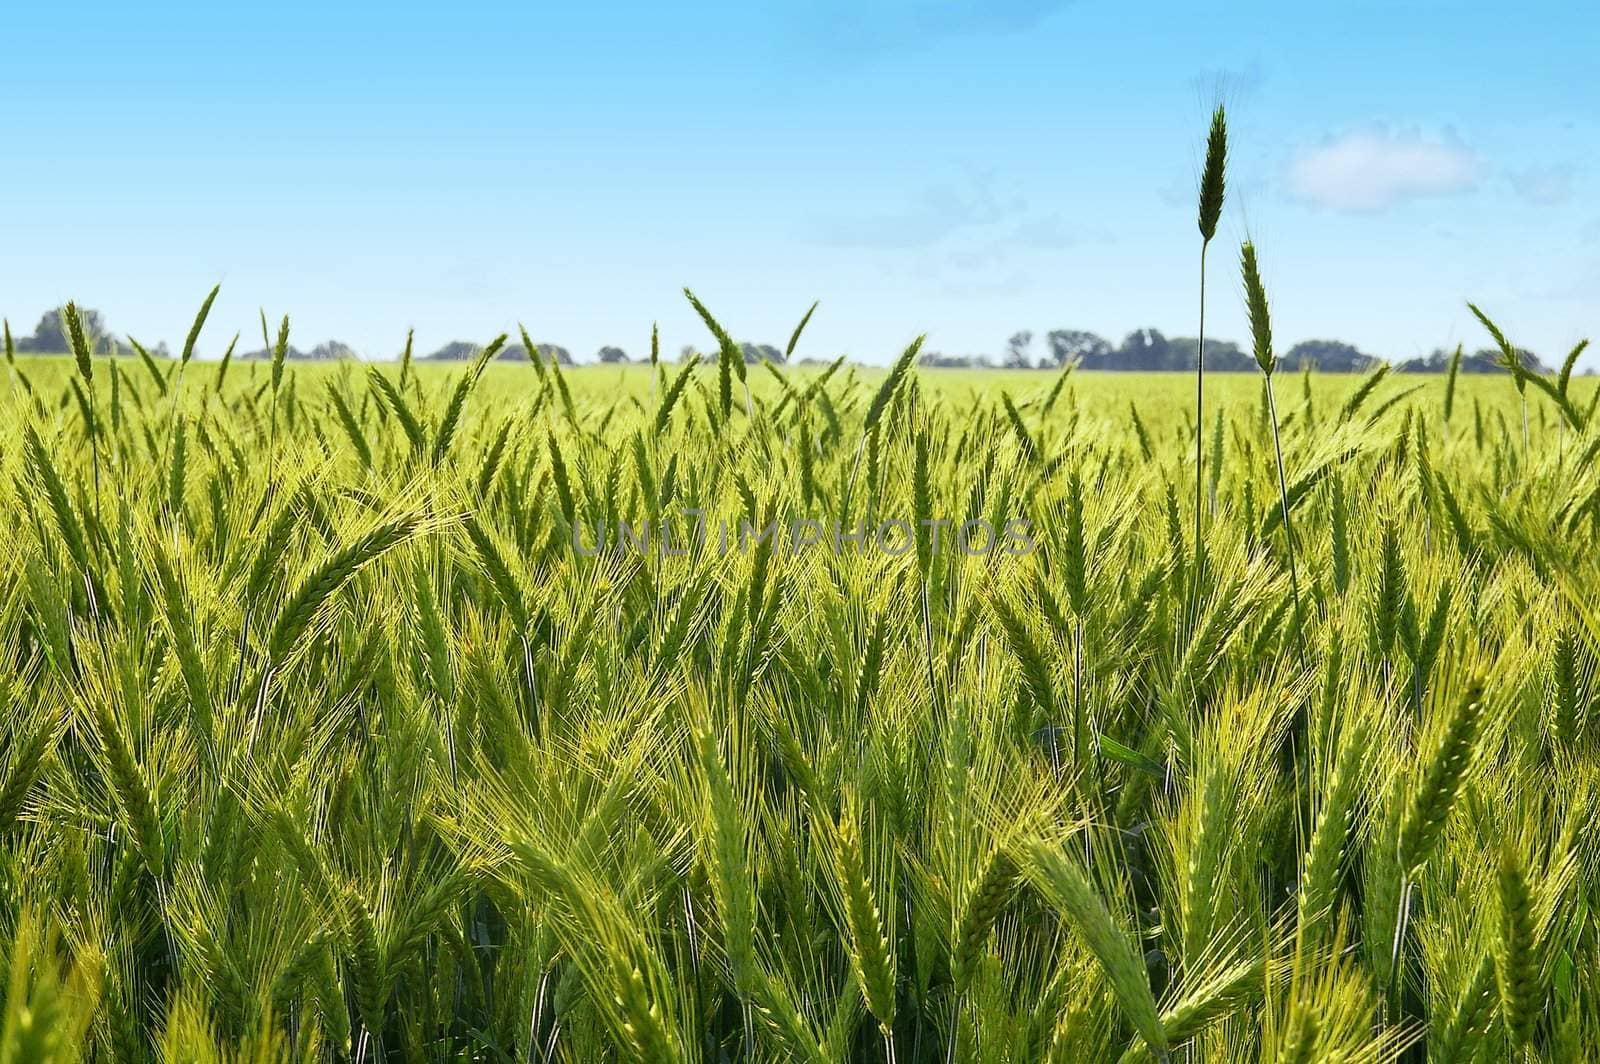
[(966, 168)]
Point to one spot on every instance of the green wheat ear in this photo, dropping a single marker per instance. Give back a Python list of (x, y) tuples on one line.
[(730, 359), (324, 582), (227, 360), (405, 357), (1261, 342), (1443, 771), (1212, 178), (1509, 359), (732, 884), (871, 953), (1212, 182), (280, 351), (532, 351), (1331, 839), (1256, 306), (891, 384), (27, 755), (1516, 964), (79, 344), (199, 323), (458, 398), (1568, 364), (985, 898), (1450, 384), (1066, 886), (794, 338)]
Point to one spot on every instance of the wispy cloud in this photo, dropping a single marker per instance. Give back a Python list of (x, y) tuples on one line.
[(974, 208), (1375, 168), (1052, 232), (973, 201), (973, 236), (1544, 186)]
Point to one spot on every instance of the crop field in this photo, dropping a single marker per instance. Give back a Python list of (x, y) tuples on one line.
[(702, 712)]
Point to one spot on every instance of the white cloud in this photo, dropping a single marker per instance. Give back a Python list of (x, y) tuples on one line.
[(1374, 168), (1544, 186)]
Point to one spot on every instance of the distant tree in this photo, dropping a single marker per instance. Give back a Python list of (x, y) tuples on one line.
[(1230, 356), (940, 360), (460, 350), (1329, 356), (1149, 351), (1146, 349), (1091, 351), (1017, 349), (50, 335), (1485, 360), (1436, 361), (290, 354), (612, 354), (686, 352), (760, 353), (555, 353), (518, 353), (1222, 356), (332, 350), (454, 351)]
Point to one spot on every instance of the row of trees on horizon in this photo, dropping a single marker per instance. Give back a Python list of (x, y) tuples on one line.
[(1149, 351), (1143, 350)]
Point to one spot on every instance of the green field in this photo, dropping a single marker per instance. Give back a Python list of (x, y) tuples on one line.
[(332, 729)]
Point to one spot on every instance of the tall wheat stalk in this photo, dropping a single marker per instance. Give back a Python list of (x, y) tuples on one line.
[(1212, 187), (11, 357), (1261, 342), (177, 387), (1443, 771), (1511, 361), (83, 356)]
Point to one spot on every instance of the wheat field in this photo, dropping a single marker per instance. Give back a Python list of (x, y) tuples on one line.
[(344, 720)]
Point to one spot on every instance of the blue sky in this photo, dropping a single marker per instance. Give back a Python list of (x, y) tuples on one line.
[(961, 168)]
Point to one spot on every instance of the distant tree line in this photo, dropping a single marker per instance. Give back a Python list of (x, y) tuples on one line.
[(462, 350), (1143, 350), (1149, 351), (331, 351), (753, 353), (50, 336)]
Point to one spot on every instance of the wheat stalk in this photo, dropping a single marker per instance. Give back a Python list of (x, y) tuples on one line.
[(1267, 360), (326, 580), (872, 958), (1330, 839), (1213, 182), (1059, 878)]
